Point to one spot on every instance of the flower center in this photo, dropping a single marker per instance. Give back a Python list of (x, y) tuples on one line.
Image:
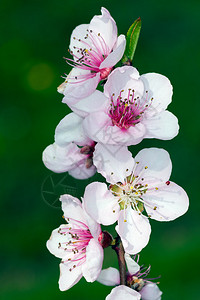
[(130, 193), (77, 239), (127, 112), (88, 56), (138, 280), (105, 72)]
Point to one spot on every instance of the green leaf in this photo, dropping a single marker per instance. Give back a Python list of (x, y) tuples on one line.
[(131, 41)]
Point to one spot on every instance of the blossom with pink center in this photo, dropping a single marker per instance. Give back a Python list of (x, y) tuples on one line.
[(135, 109), (95, 48), (139, 189), (136, 278), (76, 243)]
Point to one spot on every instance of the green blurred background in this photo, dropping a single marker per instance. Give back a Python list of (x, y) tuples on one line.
[(34, 38)]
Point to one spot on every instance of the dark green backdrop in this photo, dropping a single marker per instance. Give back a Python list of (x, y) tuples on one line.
[(34, 38)]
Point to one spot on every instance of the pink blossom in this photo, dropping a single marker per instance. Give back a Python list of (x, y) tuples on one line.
[(76, 243), (95, 48), (140, 189), (136, 279), (135, 109)]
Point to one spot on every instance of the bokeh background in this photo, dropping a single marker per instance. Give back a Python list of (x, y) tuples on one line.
[(34, 38)]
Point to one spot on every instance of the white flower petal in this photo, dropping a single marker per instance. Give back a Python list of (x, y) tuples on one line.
[(93, 103), (109, 276), (135, 232), (69, 278), (98, 126), (94, 259), (132, 266), (151, 292), (100, 203), (56, 239), (158, 165), (78, 85), (124, 78), (123, 292), (72, 209), (170, 200), (106, 26), (115, 56), (115, 163), (82, 172), (94, 227), (160, 88), (78, 34), (62, 159), (70, 130), (162, 126), (95, 125)]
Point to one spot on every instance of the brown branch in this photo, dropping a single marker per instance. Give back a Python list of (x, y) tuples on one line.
[(119, 249)]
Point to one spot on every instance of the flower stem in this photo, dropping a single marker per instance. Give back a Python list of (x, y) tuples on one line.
[(119, 249)]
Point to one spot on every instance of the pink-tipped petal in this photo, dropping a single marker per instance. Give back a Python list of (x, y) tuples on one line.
[(151, 292), (123, 292), (109, 277), (69, 278), (94, 259), (168, 202), (115, 163), (100, 203), (134, 230)]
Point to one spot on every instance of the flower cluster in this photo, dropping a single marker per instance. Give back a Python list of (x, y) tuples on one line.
[(95, 137)]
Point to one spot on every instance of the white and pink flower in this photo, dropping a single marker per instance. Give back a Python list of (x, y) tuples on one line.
[(139, 189), (72, 151), (95, 48), (133, 108), (136, 278), (76, 243)]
